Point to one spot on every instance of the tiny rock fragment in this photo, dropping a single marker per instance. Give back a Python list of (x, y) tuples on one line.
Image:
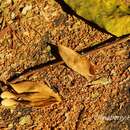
[(9, 102), (9, 1), (25, 120), (26, 9), (13, 15), (75, 61), (10, 126), (95, 95), (8, 95)]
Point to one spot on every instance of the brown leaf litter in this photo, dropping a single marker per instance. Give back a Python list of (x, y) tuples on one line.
[(84, 105), (75, 61), (30, 93)]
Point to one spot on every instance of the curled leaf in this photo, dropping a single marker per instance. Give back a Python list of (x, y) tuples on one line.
[(9, 102), (32, 93), (77, 62), (7, 95)]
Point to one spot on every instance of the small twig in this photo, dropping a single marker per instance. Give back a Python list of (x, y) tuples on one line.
[(79, 117), (59, 62), (29, 73), (105, 44)]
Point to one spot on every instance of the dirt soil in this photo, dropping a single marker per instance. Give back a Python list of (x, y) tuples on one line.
[(29, 33)]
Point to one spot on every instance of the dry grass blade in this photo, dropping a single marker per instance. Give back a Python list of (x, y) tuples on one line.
[(32, 93), (77, 62)]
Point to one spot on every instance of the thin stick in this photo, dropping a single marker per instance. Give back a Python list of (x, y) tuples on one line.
[(29, 73), (102, 46)]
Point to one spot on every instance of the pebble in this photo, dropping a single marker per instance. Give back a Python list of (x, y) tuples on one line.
[(13, 15), (26, 9), (103, 81), (95, 95), (25, 120), (10, 126), (9, 1)]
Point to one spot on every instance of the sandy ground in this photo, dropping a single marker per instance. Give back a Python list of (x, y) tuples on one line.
[(28, 31)]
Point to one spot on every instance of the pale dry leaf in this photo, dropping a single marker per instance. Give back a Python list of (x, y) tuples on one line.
[(37, 89), (9, 102), (24, 86), (75, 61), (32, 93), (7, 95)]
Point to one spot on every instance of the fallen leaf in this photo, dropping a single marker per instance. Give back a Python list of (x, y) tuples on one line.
[(32, 93), (9, 102), (7, 95), (75, 61)]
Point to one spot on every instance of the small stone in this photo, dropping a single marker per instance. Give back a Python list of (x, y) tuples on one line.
[(10, 126), (25, 120), (48, 48), (95, 95), (2, 56), (113, 72), (9, 1), (26, 9), (26, 33), (13, 15)]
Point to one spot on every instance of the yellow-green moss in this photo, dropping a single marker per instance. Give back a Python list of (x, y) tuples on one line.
[(112, 15)]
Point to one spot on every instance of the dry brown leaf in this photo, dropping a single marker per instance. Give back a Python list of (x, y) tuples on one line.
[(32, 93), (75, 61)]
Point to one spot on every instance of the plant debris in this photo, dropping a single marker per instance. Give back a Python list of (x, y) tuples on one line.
[(77, 62), (102, 80), (36, 93), (9, 102), (25, 55), (25, 120)]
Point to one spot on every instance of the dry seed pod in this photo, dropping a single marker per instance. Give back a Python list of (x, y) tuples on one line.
[(7, 94), (9, 102), (75, 61)]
